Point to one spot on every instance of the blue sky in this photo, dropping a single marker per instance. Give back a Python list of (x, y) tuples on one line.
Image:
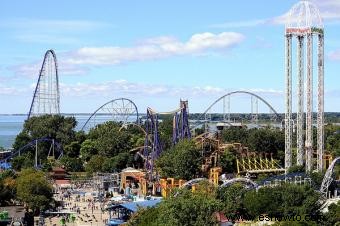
[(155, 52)]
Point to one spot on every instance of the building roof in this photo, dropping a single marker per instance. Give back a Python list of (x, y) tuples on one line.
[(63, 182), (131, 170), (58, 169), (133, 206)]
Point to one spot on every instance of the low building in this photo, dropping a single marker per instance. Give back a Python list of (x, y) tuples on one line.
[(60, 177)]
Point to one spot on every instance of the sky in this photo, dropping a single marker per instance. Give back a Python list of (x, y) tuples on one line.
[(156, 52)]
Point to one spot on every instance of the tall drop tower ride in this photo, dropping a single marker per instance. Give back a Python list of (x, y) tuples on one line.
[(304, 25)]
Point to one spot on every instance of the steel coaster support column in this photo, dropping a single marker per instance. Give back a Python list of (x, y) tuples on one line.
[(147, 142), (157, 144), (300, 108), (309, 115), (224, 110), (288, 100), (185, 121), (36, 155), (183, 130), (154, 153), (175, 125), (252, 108), (256, 103), (228, 104), (207, 118), (320, 120)]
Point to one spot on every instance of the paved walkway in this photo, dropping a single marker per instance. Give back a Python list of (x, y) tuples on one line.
[(90, 211)]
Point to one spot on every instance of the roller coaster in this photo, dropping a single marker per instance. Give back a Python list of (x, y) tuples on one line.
[(55, 150), (181, 131), (121, 110), (207, 116), (46, 98), (247, 162), (329, 177)]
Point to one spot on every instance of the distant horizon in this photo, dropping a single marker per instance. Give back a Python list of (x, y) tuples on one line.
[(84, 113)]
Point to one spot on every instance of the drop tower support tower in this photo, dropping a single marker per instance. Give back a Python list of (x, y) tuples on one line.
[(304, 25)]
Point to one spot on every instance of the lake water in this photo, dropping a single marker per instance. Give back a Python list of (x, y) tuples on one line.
[(11, 126)]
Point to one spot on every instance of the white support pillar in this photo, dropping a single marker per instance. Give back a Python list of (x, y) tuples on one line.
[(309, 102), (288, 100), (300, 107), (320, 121)]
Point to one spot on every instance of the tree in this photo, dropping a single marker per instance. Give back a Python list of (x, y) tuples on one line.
[(232, 200), (266, 140), (72, 164), (296, 169), (23, 161), (235, 135), (296, 223), (73, 149), (7, 186), (165, 132), (57, 127), (183, 161), (228, 161), (333, 139), (87, 150), (117, 163), (34, 189), (288, 199), (186, 209), (108, 140), (332, 216), (95, 164), (145, 217)]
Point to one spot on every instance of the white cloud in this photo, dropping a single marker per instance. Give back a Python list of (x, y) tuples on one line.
[(13, 91), (122, 87), (77, 62), (155, 48), (31, 71), (126, 88)]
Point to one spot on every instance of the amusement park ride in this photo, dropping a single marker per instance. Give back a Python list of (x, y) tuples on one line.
[(304, 23), (181, 131)]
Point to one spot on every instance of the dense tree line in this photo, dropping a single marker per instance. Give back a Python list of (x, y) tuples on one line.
[(259, 140), (105, 148), (200, 207), (183, 161)]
